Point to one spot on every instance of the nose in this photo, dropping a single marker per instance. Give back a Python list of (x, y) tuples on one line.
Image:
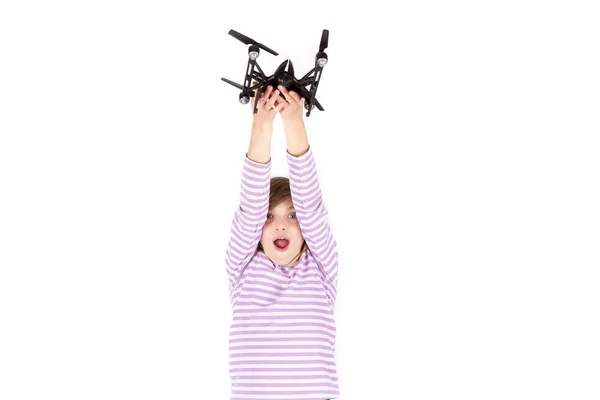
[(280, 224)]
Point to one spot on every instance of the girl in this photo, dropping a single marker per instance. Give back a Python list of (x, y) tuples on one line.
[(282, 264)]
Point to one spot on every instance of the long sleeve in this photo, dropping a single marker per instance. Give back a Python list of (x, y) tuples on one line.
[(313, 218), (249, 218)]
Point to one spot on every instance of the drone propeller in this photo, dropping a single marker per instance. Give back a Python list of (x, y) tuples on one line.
[(324, 40), (246, 40), (237, 85)]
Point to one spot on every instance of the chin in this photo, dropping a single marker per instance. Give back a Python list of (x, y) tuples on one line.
[(284, 257)]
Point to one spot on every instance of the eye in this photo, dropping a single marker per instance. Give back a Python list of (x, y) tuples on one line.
[(269, 215)]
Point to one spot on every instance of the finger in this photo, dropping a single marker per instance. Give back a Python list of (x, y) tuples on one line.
[(255, 83), (296, 97), (291, 95), (280, 99), (267, 92), (279, 107), (262, 99), (284, 106), (263, 96), (255, 90), (273, 98), (286, 93)]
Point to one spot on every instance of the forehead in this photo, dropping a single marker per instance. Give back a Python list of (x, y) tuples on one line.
[(284, 205)]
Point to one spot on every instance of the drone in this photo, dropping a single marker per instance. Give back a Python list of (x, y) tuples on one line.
[(281, 76)]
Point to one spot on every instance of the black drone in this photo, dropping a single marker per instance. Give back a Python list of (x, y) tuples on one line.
[(281, 76)]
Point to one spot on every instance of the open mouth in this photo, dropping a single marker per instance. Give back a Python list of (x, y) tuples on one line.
[(281, 244)]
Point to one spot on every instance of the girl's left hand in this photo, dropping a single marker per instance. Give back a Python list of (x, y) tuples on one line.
[(293, 105)]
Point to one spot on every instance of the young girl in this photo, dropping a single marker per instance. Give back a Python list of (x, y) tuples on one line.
[(282, 266)]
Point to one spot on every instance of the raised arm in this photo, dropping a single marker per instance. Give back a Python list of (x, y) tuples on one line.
[(251, 214), (306, 193), (249, 218), (313, 217)]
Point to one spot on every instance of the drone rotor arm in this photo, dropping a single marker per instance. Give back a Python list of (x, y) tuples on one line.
[(307, 98), (318, 105), (260, 71), (313, 88), (258, 84), (307, 78)]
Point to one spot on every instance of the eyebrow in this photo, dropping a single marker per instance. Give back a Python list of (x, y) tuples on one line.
[(289, 208)]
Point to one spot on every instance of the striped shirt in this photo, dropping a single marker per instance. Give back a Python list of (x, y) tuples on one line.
[(282, 337)]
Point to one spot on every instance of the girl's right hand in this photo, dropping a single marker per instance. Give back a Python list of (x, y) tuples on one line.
[(266, 109)]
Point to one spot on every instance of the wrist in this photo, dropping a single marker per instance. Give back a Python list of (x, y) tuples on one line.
[(293, 122), (262, 127)]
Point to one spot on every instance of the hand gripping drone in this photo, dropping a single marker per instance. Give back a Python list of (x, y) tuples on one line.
[(281, 76)]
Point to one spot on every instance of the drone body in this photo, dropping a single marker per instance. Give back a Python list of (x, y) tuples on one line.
[(281, 76)]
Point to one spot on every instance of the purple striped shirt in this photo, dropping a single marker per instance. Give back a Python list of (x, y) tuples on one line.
[(282, 337)]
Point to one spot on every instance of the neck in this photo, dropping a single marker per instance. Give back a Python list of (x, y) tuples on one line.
[(291, 263)]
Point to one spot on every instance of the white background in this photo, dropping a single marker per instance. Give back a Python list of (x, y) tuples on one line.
[(458, 156)]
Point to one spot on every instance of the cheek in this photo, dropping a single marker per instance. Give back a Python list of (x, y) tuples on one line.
[(266, 232), (297, 230)]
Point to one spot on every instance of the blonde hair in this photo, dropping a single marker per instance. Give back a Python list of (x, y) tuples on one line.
[(280, 191)]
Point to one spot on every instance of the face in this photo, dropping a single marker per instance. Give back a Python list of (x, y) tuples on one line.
[(282, 223)]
